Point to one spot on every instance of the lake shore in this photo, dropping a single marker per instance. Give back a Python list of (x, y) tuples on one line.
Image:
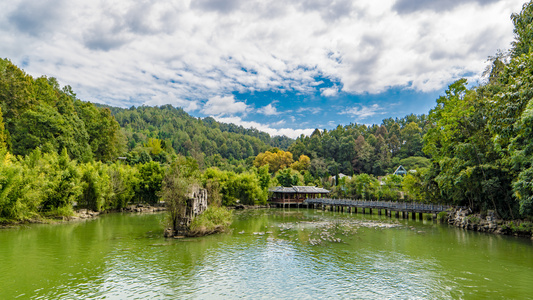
[(489, 223), (85, 214)]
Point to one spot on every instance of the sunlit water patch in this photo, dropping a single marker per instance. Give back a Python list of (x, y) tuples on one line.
[(268, 254)]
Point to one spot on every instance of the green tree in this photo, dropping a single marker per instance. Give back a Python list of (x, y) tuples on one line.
[(150, 178), (288, 177), (176, 185)]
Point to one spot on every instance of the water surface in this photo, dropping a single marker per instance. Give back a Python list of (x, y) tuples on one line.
[(268, 254)]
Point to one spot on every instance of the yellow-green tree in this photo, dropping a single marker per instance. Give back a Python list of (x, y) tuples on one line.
[(302, 164), (275, 160)]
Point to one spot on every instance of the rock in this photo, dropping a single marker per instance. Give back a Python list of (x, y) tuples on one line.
[(168, 232)]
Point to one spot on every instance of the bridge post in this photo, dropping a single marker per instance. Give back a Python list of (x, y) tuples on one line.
[(413, 215), (379, 211), (421, 216), (404, 214), (370, 210), (397, 214)]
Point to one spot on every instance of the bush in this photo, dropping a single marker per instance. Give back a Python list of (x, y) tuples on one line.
[(213, 220), (473, 219), (442, 216)]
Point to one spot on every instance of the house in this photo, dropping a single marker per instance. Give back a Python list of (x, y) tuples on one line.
[(400, 171)]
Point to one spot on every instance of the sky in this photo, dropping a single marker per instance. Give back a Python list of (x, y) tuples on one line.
[(283, 67)]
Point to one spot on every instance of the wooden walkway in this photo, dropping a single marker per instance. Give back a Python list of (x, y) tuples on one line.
[(405, 208)]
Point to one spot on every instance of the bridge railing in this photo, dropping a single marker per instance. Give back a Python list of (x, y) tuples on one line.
[(400, 206)]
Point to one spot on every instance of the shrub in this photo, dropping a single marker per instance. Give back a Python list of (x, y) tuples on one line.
[(213, 220), (442, 216)]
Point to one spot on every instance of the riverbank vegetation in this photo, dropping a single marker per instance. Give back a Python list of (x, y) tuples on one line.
[(59, 153)]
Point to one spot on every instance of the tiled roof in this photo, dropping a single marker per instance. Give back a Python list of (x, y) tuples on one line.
[(299, 190)]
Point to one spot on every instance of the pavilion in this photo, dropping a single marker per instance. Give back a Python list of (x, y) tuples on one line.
[(295, 194)]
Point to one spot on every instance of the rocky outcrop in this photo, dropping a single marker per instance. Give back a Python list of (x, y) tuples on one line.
[(85, 214), (144, 208), (194, 206), (464, 218)]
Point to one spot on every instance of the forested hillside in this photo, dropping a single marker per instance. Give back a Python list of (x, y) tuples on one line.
[(208, 141), (39, 114), (355, 149)]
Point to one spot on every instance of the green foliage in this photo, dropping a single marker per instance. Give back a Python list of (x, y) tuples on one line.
[(104, 134), (176, 186), (150, 179), (276, 160), (21, 190), (123, 181), (362, 149), (362, 186), (3, 136), (289, 177), (415, 162), (63, 188), (442, 216), (523, 30), (214, 219), (390, 188), (96, 185), (245, 187), (472, 219), (211, 143), (525, 228), (37, 113)]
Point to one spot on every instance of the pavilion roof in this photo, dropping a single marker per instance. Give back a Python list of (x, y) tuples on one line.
[(299, 190)]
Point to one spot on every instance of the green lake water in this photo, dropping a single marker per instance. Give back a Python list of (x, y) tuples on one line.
[(268, 254)]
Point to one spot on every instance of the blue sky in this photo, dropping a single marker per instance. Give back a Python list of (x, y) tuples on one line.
[(284, 67)]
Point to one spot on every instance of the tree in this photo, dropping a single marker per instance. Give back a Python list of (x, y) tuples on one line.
[(175, 188), (150, 179), (302, 164), (470, 171), (288, 177), (523, 30), (3, 136), (276, 160)]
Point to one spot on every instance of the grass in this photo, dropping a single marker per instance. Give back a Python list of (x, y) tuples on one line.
[(213, 220)]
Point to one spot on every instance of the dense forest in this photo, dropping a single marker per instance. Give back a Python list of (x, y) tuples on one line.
[(472, 149)]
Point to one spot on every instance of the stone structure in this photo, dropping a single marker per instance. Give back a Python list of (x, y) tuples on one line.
[(463, 218), (196, 204)]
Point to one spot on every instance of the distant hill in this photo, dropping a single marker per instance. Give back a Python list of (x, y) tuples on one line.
[(192, 136)]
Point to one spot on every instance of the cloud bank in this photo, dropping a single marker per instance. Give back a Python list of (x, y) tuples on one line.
[(197, 54)]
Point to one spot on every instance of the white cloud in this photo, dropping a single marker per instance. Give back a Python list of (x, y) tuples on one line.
[(169, 98), (312, 110), (133, 50), (290, 132), (220, 106), (363, 111), (329, 92), (268, 110)]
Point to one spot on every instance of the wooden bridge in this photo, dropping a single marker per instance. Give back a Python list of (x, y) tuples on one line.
[(403, 208)]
